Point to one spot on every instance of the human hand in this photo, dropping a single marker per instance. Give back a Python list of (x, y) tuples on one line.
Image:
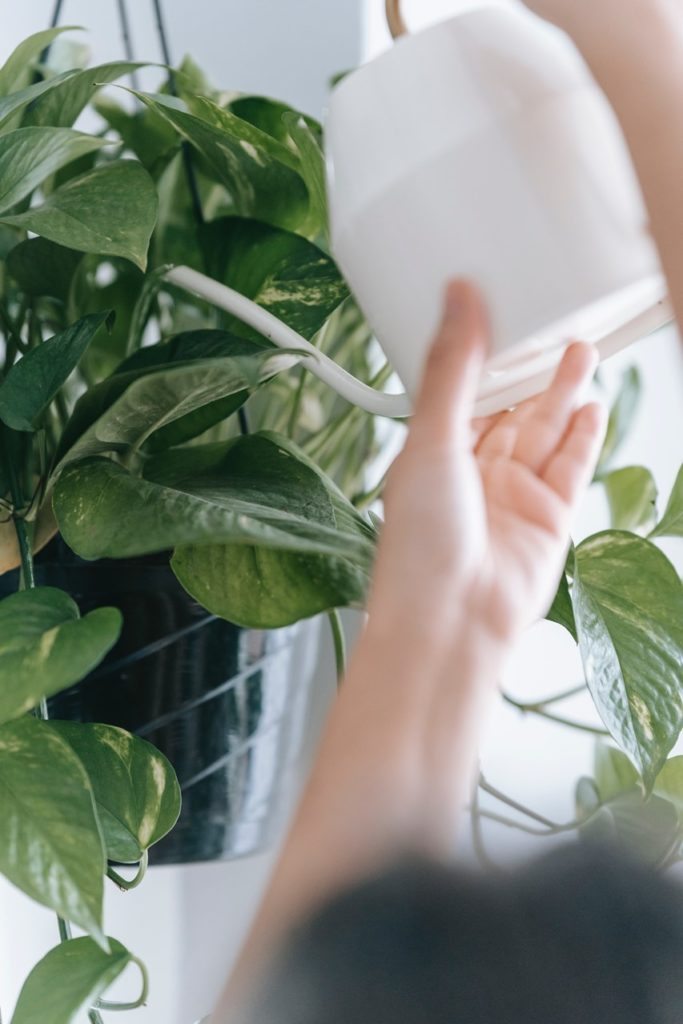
[(477, 522)]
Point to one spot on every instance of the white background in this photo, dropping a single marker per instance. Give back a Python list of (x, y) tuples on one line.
[(187, 923)]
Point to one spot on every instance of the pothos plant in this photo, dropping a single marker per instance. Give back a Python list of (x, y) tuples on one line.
[(121, 393), (135, 419)]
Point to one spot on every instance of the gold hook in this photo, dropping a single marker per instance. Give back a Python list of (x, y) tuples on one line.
[(397, 25)]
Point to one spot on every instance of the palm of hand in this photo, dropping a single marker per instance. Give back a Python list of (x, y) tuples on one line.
[(485, 525)]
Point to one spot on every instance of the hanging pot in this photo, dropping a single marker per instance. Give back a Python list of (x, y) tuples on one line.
[(226, 705)]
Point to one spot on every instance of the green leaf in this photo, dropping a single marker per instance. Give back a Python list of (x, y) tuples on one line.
[(29, 155), (284, 273), (621, 418), (189, 347), (62, 104), (261, 175), (141, 131), (46, 646), (669, 783), (66, 982), (614, 773), (19, 68), (561, 610), (648, 828), (136, 791), (110, 211), (628, 604), (313, 171), (43, 268), (32, 383), (671, 523), (252, 490), (123, 412), (11, 106), (263, 589), (50, 842), (632, 497)]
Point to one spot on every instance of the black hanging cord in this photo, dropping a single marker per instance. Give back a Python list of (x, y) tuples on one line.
[(56, 13), (127, 40), (54, 22), (186, 148)]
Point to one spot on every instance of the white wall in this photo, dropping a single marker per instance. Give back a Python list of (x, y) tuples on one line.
[(288, 50)]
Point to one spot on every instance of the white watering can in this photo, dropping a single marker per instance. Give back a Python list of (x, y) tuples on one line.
[(482, 148)]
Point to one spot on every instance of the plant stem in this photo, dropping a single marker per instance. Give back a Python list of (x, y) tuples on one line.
[(27, 574), (557, 698), (339, 641), (514, 804), (104, 1004), (123, 883), (478, 834), (538, 710)]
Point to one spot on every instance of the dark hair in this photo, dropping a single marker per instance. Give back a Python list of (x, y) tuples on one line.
[(580, 937)]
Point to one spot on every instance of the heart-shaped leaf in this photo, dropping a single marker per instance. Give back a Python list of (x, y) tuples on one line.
[(13, 105), (628, 604), (310, 150), (187, 347), (632, 497), (126, 410), (29, 155), (33, 382), (66, 982), (669, 783), (252, 490), (671, 524), (46, 646), (284, 273), (110, 211), (18, 70), (136, 791), (614, 773), (261, 175), (649, 829), (50, 842), (62, 104), (262, 589)]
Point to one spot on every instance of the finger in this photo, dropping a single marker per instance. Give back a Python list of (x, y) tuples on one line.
[(500, 440), (541, 434), (571, 468), (451, 378)]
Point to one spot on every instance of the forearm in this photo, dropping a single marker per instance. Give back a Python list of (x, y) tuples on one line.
[(635, 50), (391, 777)]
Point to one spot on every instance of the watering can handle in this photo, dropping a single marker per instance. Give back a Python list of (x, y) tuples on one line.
[(375, 402), (397, 25)]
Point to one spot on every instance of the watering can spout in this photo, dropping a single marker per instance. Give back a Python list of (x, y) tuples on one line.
[(375, 402)]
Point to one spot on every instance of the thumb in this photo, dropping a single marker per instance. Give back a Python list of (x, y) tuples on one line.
[(452, 373)]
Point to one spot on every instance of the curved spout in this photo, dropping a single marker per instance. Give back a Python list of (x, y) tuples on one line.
[(353, 390)]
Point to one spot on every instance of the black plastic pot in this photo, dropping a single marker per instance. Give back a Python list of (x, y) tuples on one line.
[(226, 705)]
